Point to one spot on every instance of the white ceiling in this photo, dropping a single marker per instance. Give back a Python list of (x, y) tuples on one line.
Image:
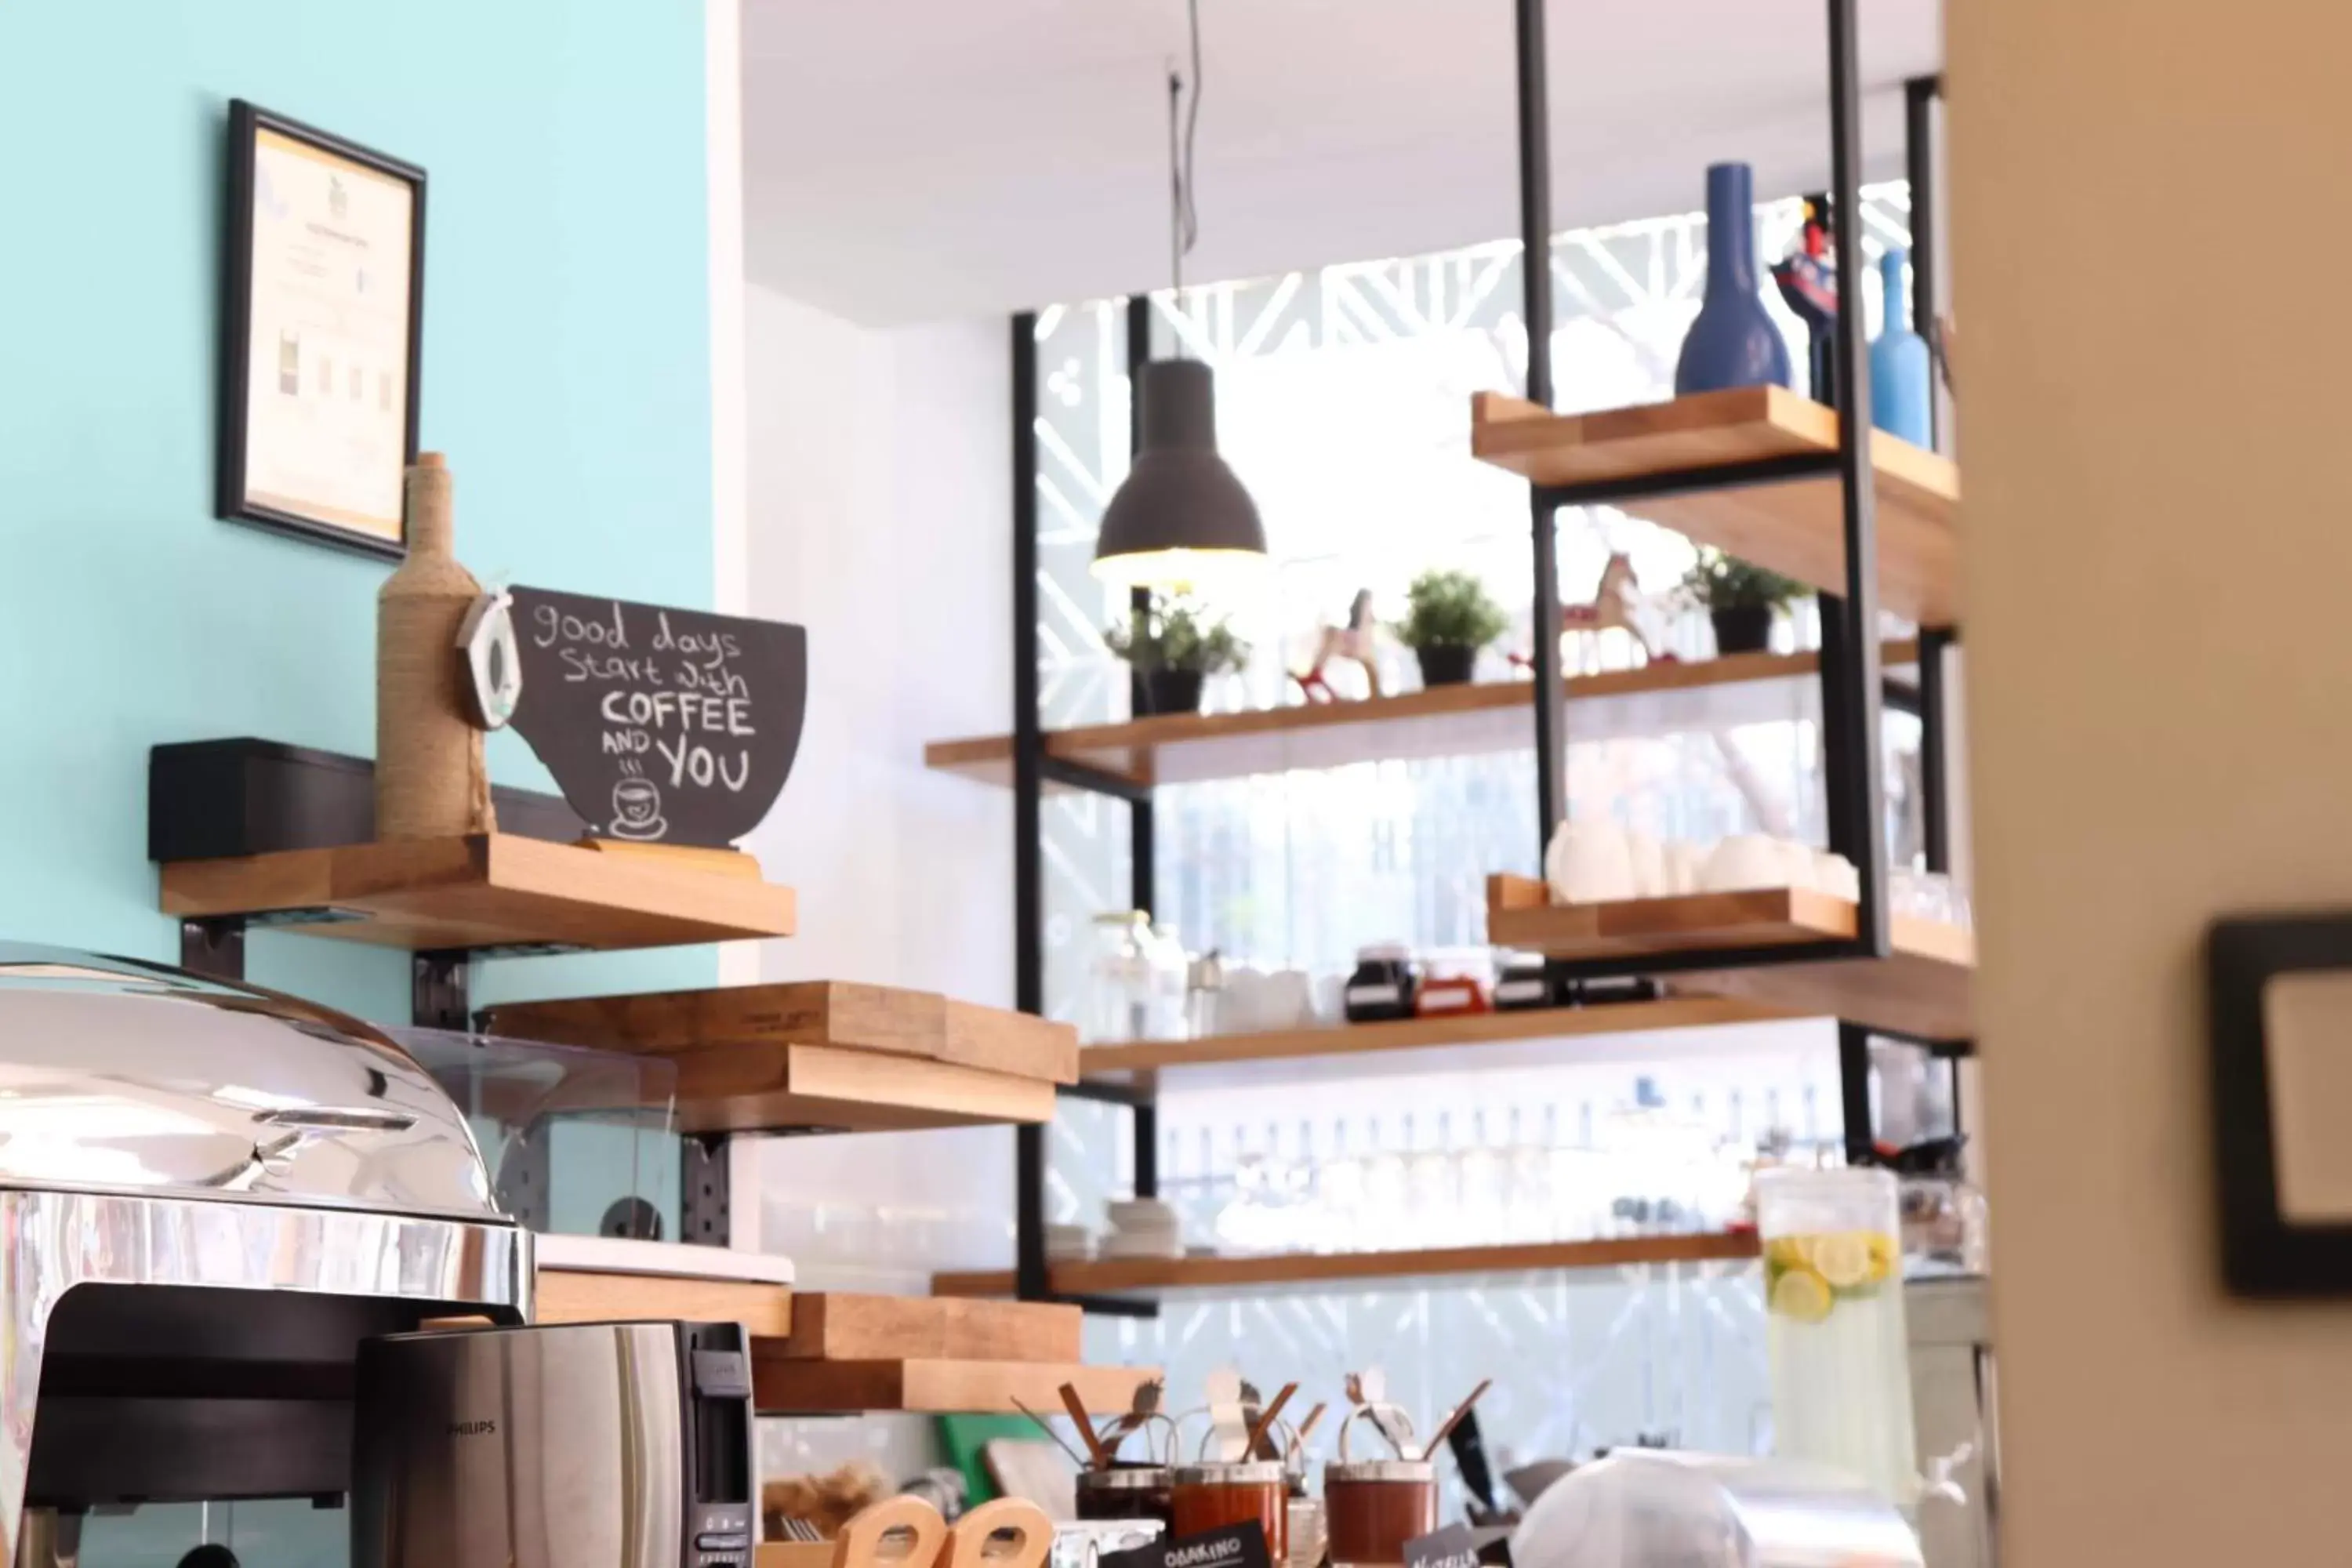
[(913, 160)]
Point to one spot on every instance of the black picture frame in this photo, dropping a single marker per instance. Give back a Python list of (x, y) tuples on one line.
[(232, 500), (2265, 1253)]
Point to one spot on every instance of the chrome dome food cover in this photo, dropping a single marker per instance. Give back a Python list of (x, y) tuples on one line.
[(120, 1076)]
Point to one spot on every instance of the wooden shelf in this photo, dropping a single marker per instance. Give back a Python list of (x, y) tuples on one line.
[(808, 1013), (828, 1089), (1795, 526), (1160, 1061), (1921, 989), (595, 1279), (1668, 698), (836, 1326), (487, 891), (1149, 1275), (821, 1056), (785, 1386)]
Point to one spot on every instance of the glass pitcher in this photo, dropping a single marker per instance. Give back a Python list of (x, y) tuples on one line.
[(1835, 1333)]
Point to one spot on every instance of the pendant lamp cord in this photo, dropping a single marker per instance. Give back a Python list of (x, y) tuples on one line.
[(1184, 227)]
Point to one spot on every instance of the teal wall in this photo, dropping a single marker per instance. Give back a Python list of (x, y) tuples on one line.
[(566, 373)]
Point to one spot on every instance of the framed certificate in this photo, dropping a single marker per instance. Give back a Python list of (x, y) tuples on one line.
[(321, 315)]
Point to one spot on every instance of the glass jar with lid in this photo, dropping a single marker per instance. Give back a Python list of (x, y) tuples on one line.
[(1372, 1506), (1132, 1491), (1381, 988), (1118, 978), (1170, 967), (1214, 1494)]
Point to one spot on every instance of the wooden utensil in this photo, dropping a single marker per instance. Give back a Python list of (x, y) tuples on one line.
[(969, 1543), (1077, 1409), (1076, 1457), (1454, 1420), (860, 1542), (1257, 1434)]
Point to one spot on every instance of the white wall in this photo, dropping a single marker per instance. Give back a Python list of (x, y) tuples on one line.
[(881, 520), (2158, 720)]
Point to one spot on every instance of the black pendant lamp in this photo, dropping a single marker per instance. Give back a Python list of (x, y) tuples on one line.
[(1180, 518)]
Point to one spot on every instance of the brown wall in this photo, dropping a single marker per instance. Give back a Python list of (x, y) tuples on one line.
[(2151, 201)]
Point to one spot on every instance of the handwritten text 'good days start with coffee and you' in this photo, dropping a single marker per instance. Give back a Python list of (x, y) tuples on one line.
[(672, 698), (661, 724)]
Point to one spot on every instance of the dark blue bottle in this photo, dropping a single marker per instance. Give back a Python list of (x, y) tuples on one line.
[(1734, 341)]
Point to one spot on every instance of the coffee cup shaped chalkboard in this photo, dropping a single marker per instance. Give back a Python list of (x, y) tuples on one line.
[(661, 725)]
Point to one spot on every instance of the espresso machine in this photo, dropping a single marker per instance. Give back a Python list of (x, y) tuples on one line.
[(210, 1195)]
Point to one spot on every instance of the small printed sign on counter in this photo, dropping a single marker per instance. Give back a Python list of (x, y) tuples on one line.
[(661, 725), (1235, 1546)]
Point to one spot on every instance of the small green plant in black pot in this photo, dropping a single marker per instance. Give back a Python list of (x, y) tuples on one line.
[(1449, 616), (1739, 598), (1173, 647)]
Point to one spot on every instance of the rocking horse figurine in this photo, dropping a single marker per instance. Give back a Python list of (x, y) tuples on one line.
[(1617, 604), (1353, 641)]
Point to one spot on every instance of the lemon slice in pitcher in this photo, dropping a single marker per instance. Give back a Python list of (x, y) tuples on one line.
[(1802, 1295), (1842, 1258)]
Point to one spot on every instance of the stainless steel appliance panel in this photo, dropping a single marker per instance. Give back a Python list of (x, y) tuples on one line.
[(53, 1242), (542, 1449)]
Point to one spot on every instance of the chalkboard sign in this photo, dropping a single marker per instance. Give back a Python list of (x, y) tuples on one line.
[(661, 725), (1233, 1546)]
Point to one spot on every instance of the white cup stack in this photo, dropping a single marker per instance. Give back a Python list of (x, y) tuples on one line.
[(1596, 861), (1069, 1244), (1143, 1227)]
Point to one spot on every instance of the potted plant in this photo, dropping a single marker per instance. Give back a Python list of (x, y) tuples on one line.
[(1739, 598), (1174, 646), (1449, 616)]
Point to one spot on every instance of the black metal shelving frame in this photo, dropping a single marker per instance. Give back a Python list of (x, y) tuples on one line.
[(1853, 687)]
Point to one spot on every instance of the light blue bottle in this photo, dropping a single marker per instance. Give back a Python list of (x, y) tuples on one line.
[(1902, 380)]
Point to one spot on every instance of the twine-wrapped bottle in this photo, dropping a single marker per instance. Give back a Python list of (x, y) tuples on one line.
[(430, 780)]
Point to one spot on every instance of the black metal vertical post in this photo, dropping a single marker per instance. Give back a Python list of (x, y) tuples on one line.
[(1147, 1147), (1919, 95), (214, 947), (1028, 803), (1143, 846), (1535, 266), (1854, 1083), (1143, 890), (439, 988), (1028, 735), (1852, 768), (1032, 1278), (1935, 759)]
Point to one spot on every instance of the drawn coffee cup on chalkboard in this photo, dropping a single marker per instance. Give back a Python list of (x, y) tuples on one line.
[(636, 811), (661, 725)]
